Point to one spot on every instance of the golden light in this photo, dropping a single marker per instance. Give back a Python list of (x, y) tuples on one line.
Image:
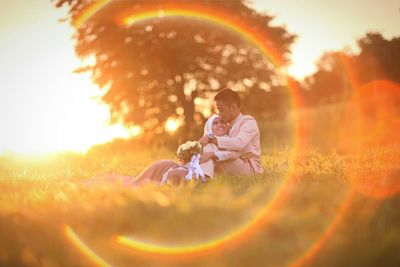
[(44, 106), (373, 123), (172, 124), (135, 131)]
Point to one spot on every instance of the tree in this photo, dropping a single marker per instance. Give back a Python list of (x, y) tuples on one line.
[(379, 59), (330, 83), (339, 73), (162, 67)]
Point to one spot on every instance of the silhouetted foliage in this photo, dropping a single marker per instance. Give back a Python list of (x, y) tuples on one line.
[(379, 58), (161, 67), (339, 73)]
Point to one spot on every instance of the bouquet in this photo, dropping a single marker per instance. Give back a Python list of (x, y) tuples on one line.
[(189, 152)]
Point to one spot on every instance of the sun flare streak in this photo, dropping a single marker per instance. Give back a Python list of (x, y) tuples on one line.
[(83, 248)]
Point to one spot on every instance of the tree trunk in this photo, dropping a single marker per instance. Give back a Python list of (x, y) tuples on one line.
[(188, 113)]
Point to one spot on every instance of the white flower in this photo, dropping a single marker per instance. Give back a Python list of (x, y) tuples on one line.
[(192, 144), (188, 149), (179, 150), (185, 146), (198, 146)]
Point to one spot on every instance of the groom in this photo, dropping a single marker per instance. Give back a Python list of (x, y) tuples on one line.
[(244, 136)]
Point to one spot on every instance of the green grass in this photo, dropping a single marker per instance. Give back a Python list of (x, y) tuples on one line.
[(319, 216)]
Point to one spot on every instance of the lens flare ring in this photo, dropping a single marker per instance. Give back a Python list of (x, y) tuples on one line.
[(281, 195), (363, 135), (84, 249)]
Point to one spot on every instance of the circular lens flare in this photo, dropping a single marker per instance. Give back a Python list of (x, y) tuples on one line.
[(261, 41), (84, 249), (371, 128), (226, 240)]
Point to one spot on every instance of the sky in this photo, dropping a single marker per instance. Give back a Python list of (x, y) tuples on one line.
[(45, 107), (324, 25)]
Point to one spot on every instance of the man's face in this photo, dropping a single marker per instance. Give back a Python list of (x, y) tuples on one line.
[(225, 111)]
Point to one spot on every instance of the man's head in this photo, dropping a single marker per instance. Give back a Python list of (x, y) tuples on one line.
[(228, 104)]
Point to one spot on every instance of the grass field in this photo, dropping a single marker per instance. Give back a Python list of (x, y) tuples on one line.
[(317, 209)]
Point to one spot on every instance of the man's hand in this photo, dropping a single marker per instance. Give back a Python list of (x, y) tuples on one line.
[(204, 140), (208, 139), (213, 140)]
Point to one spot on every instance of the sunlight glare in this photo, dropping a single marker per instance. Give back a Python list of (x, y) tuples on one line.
[(44, 106), (172, 125)]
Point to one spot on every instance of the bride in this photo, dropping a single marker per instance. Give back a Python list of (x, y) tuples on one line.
[(172, 172)]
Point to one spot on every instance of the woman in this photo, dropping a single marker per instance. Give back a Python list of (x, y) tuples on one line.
[(171, 171), (176, 172)]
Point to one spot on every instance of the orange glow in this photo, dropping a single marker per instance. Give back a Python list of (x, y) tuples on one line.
[(374, 107), (373, 122), (376, 184)]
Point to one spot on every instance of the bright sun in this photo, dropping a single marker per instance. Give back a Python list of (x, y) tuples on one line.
[(44, 106), (58, 116), (172, 124)]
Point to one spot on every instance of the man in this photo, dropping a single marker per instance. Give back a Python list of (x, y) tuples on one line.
[(244, 136)]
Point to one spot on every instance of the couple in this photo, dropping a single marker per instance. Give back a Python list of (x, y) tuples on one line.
[(231, 144)]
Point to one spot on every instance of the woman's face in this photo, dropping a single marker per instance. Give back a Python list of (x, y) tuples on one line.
[(219, 127)]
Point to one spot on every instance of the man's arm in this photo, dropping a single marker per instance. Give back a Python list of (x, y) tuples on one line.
[(219, 155), (247, 131), (211, 151), (204, 140), (226, 155)]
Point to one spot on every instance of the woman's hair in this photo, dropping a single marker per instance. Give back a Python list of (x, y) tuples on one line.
[(228, 96)]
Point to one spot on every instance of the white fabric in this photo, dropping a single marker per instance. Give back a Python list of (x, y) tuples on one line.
[(221, 155), (209, 123), (195, 169), (164, 178)]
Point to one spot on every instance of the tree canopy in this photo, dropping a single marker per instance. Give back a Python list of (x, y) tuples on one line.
[(160, 67), (340, 73)]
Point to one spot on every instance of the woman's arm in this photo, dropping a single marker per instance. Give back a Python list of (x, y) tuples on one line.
[(205, 156)]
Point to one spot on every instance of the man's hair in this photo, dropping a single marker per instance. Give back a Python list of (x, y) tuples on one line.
[(228, 96)]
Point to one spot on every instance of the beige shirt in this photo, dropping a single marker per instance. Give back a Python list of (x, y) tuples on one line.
[(244, 137)]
